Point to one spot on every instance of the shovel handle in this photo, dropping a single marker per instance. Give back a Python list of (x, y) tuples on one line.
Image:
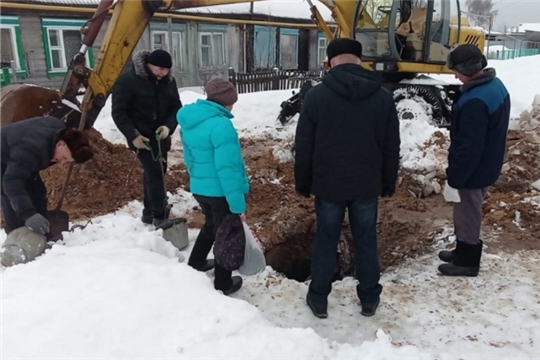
[(64, 187), (82, 123)]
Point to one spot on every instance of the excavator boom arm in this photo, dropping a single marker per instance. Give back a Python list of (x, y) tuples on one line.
[(126, 26)]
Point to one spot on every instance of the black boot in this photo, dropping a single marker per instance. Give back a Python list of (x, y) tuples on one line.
[(449, 256), (235, 285), (468, 262), (208, 265)]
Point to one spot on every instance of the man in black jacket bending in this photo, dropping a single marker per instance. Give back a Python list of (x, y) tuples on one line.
[(28, 147), (145, 101), (347, 155)]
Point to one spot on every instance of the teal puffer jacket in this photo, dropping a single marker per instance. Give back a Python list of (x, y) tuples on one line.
[(212, 153)]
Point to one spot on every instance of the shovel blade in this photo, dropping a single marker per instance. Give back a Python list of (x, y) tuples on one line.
[(59, 221)]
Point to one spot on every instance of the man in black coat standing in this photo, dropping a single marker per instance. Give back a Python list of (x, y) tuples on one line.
[(347, 155), (28, 147), (145, 101), (478, 132)]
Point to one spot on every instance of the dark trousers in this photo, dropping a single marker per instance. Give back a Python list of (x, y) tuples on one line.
[(214, 209), (154, 190), (38, 195), (468, 215), (363, 223)]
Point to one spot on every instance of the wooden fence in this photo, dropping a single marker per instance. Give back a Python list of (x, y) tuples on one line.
[(272, 80)]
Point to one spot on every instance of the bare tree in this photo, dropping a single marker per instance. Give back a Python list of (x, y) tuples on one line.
[(484, 11)]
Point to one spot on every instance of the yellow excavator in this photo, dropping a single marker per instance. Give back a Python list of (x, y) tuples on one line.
[(401, 39)]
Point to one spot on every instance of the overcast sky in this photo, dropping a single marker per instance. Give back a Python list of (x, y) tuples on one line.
[(515, 12)]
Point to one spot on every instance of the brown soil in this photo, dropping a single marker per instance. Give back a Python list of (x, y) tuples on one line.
[(285, 222), (104, 184)]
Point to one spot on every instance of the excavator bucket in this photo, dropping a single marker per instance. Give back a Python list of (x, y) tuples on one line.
[(23, 101)]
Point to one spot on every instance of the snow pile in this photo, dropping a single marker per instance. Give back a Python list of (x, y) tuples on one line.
[(116, 290), (414, 134)]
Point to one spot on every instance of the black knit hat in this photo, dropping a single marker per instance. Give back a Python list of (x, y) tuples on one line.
[(343, 46), (466, 59), (160, 58)]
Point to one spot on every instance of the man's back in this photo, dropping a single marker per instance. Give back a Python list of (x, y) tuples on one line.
[(347, 140)]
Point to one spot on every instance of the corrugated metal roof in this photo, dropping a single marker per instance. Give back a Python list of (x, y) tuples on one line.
[(293, 9)]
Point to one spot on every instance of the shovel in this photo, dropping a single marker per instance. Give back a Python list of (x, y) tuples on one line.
[(59, 219)]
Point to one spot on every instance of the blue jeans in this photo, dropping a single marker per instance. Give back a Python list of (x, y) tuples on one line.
[(363, 223)]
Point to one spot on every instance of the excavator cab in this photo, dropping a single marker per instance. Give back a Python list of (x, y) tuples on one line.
[(411, 36)]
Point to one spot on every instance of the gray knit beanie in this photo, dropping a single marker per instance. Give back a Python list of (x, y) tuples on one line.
[(221, 91)]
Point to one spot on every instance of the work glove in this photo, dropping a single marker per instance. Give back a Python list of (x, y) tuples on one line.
[(162, 132), (38, 224), (141, 142), (450, 194)]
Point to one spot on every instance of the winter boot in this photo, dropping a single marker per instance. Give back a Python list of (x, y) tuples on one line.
[(147, 219), (449, 256), (208, 265), (370, 309), (235, 286), (468, 262), (318, 311)]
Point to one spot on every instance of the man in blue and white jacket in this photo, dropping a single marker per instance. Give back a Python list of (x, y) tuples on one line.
[(217, 173), (478, 144)]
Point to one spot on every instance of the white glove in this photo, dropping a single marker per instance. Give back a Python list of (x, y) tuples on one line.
[(162, 132), (450, 194)]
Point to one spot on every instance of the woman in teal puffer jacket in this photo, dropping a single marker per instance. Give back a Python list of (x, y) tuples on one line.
[(216, 169)]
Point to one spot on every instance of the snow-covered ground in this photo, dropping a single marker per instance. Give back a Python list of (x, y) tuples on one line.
[(117, 290)]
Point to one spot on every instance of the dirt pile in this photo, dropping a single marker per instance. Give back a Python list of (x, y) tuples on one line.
[(103, 184), (506, 203)]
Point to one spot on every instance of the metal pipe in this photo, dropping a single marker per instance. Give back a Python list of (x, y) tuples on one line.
[(8, 5)]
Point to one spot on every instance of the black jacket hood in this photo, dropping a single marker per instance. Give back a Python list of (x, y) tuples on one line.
[(352, 81)]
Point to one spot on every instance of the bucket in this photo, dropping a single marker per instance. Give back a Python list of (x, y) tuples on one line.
[(21, 246), (176, 232)]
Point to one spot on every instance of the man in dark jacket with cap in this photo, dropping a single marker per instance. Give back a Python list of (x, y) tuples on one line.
[(28, 147), (145, 101), (478, 143), (347, 155)]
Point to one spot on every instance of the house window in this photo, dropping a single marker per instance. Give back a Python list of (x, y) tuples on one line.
[(321, 51), (212, 49), (160, 40), (12, 53), (63, 40)]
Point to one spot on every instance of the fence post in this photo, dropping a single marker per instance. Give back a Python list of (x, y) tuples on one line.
[(275, 80), (232, 77)]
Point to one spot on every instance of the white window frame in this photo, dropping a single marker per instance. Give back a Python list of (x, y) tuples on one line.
[(14, 47), (212, 57), (166, 37), (61, 47), (180, 35), (321, 48)]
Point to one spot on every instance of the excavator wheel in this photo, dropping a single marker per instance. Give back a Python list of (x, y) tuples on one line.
[(416, 101), (24, 101)]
